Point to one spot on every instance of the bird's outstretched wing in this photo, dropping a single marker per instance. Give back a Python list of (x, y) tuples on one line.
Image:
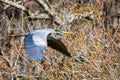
[(58, 45), (33, 51)]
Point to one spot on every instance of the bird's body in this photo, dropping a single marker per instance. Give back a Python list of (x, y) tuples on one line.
[(36, 41), (40, 36)]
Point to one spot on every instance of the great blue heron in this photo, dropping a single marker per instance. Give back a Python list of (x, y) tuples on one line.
[(36, 41)]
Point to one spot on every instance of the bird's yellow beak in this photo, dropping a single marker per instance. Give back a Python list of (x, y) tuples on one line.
[(67, 32)]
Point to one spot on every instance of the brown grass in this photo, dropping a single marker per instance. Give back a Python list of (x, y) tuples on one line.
[(97, 51)]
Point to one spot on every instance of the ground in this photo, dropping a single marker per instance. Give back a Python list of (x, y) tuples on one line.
[(94, 44)]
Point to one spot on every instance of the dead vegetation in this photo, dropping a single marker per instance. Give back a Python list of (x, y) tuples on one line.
[(94, 44)]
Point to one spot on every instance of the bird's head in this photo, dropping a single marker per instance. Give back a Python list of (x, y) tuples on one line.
[(58, 34)]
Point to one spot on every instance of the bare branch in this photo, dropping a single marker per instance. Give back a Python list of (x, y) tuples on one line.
[(30, 16), (40, 17), (51, 13), (47, 9), (14, 4)]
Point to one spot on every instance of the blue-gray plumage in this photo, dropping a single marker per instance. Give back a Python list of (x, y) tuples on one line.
[(36, 41)]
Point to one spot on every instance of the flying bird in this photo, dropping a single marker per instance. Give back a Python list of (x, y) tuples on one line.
[(36, 41)]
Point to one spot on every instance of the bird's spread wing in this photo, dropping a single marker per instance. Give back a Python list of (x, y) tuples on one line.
[(58, 45), (33, 51)]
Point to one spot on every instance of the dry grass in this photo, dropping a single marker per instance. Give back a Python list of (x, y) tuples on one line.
[(95, 51)]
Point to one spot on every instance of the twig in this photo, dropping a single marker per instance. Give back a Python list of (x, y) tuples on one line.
[(30, 16), (57, 21), (51, 13), (39, 17), (14, 4)]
